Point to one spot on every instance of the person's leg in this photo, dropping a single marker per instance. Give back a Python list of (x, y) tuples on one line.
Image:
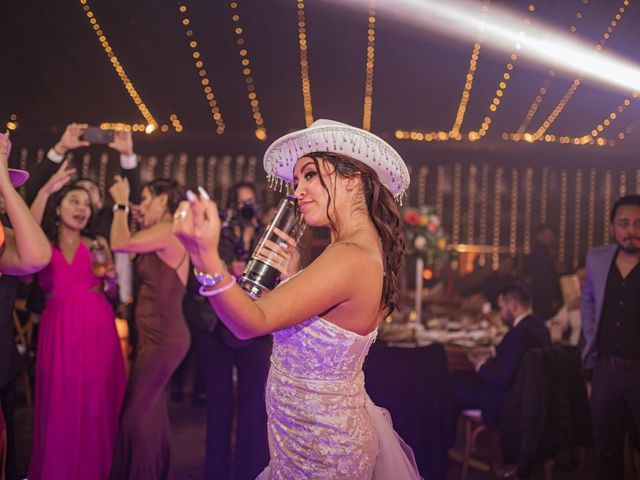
[(142, 450), (632, 383), (7, 400), (177, 379), (607, 412), (252, 451), (215, 359)]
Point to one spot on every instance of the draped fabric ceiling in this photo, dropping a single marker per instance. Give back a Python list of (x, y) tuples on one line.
[(55, 71)]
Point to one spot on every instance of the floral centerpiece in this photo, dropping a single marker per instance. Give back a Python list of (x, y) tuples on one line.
[(424, 236)]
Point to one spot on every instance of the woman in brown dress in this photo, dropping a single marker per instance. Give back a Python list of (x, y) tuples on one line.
[(143, 448)]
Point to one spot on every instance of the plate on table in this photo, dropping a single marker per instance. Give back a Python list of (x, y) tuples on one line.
[(454, 326), (464, 342)]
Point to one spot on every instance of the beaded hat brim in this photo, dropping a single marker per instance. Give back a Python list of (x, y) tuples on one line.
[(342, 139)]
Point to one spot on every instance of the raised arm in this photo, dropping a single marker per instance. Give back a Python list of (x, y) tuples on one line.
[(70, 140), (129, 169), (58, 180), (326, 284), (155, 238), (26, 249)]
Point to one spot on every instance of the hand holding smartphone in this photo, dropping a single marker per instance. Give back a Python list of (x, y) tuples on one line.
[(97, 136)]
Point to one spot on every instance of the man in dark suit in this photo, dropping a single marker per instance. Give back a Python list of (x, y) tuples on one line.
[(610, 311), (543, 274), (487, 388)]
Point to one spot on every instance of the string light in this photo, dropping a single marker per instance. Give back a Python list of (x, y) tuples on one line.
[(86, 160), (534, 107), (513, 225), (440, 136), (422, 186), (166, 166), (543, 89), (539, 134), (592, 209), (251, 169), (200, 170), (181, 174), (102, 174), (225, 179), (614, 115), (304, 64), (471, 210), (495, 101), (123, 127), (577, 220), (607, 207), (207, 89), (175, 122), (440, 191), (464, 99), (623, 183), (484, 207), (544, 195), (457, 191), (528, 196), (254, 103), (211, 175), (117, 66), (368, 83), (239, 164), (12, 123), (562, 230), (24, 160), (497, 211)]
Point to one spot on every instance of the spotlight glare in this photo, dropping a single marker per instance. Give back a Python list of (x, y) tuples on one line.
[(495, 28)]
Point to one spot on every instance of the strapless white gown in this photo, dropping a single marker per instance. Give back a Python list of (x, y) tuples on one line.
[(322, 424)]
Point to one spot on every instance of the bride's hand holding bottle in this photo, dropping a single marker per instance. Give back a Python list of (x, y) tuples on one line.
[(197, 225)]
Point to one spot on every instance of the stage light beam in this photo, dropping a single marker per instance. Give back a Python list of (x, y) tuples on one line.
[(496, 28)]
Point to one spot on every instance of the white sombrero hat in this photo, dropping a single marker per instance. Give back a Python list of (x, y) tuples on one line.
[(342, 139)]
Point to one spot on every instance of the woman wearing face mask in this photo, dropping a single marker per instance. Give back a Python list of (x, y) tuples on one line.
[(143, 445), (80, 376), (321, 422)]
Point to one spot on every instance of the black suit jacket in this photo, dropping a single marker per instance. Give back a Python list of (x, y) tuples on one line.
[(500, 372)]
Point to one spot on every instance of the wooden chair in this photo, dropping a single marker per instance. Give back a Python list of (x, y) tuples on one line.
[(24, 338), (473, 427)]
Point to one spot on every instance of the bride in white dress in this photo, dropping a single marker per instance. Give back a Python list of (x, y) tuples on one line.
[(321, 422)]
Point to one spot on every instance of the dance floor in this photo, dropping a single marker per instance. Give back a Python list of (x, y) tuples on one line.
[(188, 447)]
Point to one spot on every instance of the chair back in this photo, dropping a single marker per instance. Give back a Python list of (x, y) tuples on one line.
[(539, 418)]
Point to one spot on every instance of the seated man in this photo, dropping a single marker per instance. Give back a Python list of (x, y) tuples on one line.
[(487, 388)]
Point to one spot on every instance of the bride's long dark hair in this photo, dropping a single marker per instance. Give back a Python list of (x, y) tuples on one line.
[(384, 214)]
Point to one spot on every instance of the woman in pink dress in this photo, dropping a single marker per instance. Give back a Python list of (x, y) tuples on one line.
[(80, 376)]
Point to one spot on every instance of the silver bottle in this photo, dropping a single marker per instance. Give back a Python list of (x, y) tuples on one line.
[(259, 277)]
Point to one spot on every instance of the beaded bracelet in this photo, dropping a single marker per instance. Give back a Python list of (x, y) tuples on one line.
[(217, 291)]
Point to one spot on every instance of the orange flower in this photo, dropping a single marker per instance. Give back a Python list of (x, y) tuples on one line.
[(411, 217)]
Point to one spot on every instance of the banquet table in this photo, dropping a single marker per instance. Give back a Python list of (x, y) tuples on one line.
[(413, 384)]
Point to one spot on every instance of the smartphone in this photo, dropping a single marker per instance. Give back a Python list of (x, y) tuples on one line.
[(97, 136)]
